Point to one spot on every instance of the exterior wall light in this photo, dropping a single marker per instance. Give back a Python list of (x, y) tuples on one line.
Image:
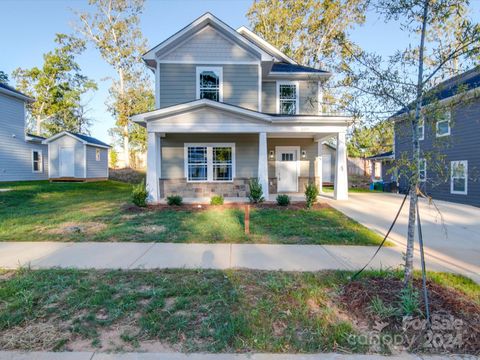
[(304, 154), (271, 154)]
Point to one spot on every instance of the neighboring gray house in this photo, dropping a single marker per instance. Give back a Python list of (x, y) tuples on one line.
[(382, 167), (22, 156), (231, 107), (449, 143), (77, 157)]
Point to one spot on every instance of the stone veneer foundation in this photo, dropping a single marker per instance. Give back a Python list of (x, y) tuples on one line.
[(237, 188)]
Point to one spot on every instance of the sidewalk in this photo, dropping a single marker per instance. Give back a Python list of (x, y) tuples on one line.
[(179, 356), (94, 255)]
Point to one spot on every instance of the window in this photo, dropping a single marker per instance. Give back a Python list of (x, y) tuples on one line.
[(422, 170), (37, 162), (210, 162), (210, 83), (287, 98), (421, 129), (443, 124), (459, 177), (378, 169), (287, 157), (97, 154)]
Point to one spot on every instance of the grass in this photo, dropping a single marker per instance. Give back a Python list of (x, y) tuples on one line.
[(188, 310), (40, 211)]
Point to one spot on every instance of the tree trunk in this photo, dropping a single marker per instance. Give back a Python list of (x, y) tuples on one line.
[(416, 155), (126, 146)]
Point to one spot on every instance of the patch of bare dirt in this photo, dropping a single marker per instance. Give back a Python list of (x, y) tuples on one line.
[(459, 314), (88, 228), (152, 229)]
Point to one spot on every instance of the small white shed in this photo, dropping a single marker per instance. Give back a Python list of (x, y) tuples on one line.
[(76, 157)]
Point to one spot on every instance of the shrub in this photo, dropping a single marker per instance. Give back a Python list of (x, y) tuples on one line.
[(140, 194), (283, 200), (311, 193), (256, 192), (174, 200), (216, 200)]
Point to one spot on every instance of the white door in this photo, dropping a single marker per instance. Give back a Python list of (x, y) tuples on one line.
[(327, 168), (67, 162), (287, 176)]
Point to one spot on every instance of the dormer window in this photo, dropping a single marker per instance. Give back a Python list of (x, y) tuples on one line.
[(287, 97), (210, 83)]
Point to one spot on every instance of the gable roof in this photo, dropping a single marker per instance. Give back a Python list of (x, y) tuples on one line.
[(466, 81), (206, 19), (265, 45), (87, 140), (386, 155), (9, 90)]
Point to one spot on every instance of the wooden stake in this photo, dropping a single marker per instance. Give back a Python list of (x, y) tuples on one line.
[(247, 220)]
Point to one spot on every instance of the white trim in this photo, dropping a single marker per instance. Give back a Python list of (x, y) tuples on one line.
[(422, 135), (202, 21), (252, 37), (278, 151), (219, 71), (424, 170), (50, 159), (465, 164), (259, 87), (297, 95), (40, 162), (157, 86), (84, 161), (319, 98), (447, 119), (16, 95), (205, 62), (60, 134), (209, 147)]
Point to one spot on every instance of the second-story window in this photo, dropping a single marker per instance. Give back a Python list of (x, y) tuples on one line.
[(287, 101), (209, 83), (443, 124)]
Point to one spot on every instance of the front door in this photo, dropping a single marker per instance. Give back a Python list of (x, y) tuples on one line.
[(67, 162), (287, 170)]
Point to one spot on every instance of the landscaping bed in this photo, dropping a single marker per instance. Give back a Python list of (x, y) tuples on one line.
[(218, 311), (102, 211)]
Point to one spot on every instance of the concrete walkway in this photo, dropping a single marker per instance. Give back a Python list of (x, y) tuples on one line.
[(41, 255), (451, 239), (7, 355)]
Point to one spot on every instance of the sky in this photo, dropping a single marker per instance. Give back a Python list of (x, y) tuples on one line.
[(29, 27)]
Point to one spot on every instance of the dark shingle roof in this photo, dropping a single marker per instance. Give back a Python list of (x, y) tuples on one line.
[(466, 81), (36, 136), (384, 155), (12, 89), (291, 68), (88, 139)]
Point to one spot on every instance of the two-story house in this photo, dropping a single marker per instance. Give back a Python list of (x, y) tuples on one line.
[(231, 107), (22, 155), (449, 141)]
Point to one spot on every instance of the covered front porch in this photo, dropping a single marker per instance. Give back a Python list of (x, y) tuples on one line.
[(211, 148)]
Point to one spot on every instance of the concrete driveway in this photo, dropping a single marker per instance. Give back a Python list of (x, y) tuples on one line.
[(451, 233)]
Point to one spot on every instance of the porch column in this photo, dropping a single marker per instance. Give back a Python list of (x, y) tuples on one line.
[(263, 163), (318, 166), (153, 167), (341, 180)]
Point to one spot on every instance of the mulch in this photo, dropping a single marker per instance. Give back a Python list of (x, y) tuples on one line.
[(446, 304), (294, 205)]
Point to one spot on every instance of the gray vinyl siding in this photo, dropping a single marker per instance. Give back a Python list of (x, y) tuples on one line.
[(97, 169), (209, 45), (178, 84), (15, 152), (462, 144), (307, 101), (66, 141), (246, 152)]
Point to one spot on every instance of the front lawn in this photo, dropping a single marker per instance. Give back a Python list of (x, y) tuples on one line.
[(40, 211), (232, 311)]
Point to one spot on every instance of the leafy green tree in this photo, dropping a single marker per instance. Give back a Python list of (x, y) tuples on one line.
[(113, 27), (369, 140), (3, 77), (57, 87), (312, 32)]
